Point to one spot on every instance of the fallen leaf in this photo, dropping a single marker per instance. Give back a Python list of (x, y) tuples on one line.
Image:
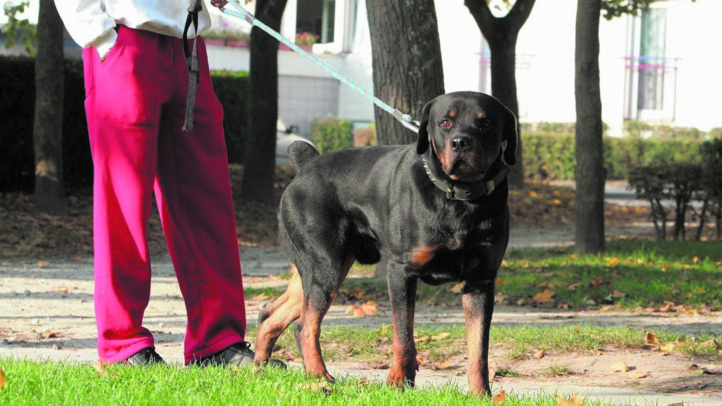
[(260, 297), (596, 281), (442, 364), (60, 289), (574, 401), (540, 354), (613, 262), (2, 378), (499, 398), (499, 298), (492, 372), (382, 365), (370, 308), (651, 339), (620, 366), (324, 387), (421, 359), (544, 297), (422, 339), (638, 374), (573, 286), (458, 287), (668, 348), (101, 367), (441, 336), (617, 294), (696, 260)]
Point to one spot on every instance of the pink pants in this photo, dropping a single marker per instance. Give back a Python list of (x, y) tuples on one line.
[(135, 103)]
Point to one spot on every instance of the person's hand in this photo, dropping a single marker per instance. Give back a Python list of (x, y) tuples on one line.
[(218, 3)]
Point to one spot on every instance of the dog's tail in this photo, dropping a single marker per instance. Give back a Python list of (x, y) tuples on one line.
[(301, 153)]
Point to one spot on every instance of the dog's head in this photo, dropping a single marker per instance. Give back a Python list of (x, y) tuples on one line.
[(468, 131)]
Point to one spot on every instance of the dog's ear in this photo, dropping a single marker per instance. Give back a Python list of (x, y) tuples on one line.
[(510, 137), (422, 144)]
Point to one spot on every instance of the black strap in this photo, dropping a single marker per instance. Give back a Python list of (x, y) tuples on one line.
[(192, 62)]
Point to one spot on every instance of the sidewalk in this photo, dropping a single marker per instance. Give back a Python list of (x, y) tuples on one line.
[(56, 299)]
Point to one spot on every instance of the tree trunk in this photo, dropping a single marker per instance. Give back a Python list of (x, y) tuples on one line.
[(407, 68), (501, 33), (260, 157), (48, 120), (590, 174)]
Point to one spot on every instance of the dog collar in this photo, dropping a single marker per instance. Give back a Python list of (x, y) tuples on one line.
[(462, 191)]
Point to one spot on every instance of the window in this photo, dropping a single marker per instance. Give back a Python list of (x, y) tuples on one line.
[(650, 73), (317, 17)]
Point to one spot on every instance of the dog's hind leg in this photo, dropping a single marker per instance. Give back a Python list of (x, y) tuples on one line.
[(318, 296), (275, 318)]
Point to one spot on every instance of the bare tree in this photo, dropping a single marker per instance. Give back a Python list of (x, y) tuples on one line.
[(589, 174), (48, 120), (259, 160), (502, 33), (407, 68)]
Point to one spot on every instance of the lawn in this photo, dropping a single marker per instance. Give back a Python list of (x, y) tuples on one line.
[(52, 383)]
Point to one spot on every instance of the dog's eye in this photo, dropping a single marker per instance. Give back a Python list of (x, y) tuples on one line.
[(445, 124), (484, 124)]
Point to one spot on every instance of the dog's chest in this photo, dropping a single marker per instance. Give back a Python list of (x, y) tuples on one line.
[(457, 258)]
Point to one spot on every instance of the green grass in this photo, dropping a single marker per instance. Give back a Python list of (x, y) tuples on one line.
[(52, 383), (629, 275), (373, 346)]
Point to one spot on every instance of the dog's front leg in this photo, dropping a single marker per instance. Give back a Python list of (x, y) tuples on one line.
[(478, 302), (402, 291)]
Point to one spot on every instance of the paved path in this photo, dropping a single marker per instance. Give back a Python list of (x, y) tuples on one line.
[(57, 297)]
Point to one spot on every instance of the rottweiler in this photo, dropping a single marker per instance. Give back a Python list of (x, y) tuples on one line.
[(436, 209)]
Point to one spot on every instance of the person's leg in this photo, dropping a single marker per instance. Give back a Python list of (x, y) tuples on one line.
[(122, 95), (196, 205)]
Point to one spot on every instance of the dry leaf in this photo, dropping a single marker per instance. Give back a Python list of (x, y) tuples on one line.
[(60, 289), (421, 359), (458, 287), (696, 260), (667, 348), (617, 294), (499, 399), (443, 363), (544, 297), (441, 336), (596, 281), (492, 372), (620, 367), (612, 262), (370, 308), (261, 297), (422, 339), (652, 339), (381, 365), (574, 401), (638, 374), (499, 298), (540, 354), (2, 378), (101, 367), (315, 387), (49, 334), (573, 286)]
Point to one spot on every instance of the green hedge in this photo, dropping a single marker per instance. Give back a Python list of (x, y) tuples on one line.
[(551, 156), (17, 103), (332, 134)]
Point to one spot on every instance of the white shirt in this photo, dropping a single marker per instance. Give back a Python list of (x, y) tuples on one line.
[(91, 22)]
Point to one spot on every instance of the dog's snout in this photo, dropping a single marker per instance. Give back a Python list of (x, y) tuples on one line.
[(459, 144)]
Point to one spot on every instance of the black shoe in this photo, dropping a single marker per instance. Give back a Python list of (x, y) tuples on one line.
[(144, 357), (239, 354)]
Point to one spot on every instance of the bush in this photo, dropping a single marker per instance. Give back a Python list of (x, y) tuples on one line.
[(332, 134), (17, 101), (365, 137)]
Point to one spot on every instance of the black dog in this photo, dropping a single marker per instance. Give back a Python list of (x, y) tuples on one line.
[(438, 211)]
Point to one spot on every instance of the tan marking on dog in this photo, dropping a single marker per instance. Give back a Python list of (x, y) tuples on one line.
[(480, 114), (452, 113), (422, 255), (311, 346)]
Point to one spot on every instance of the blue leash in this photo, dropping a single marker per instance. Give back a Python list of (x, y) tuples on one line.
[(243, 14)]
